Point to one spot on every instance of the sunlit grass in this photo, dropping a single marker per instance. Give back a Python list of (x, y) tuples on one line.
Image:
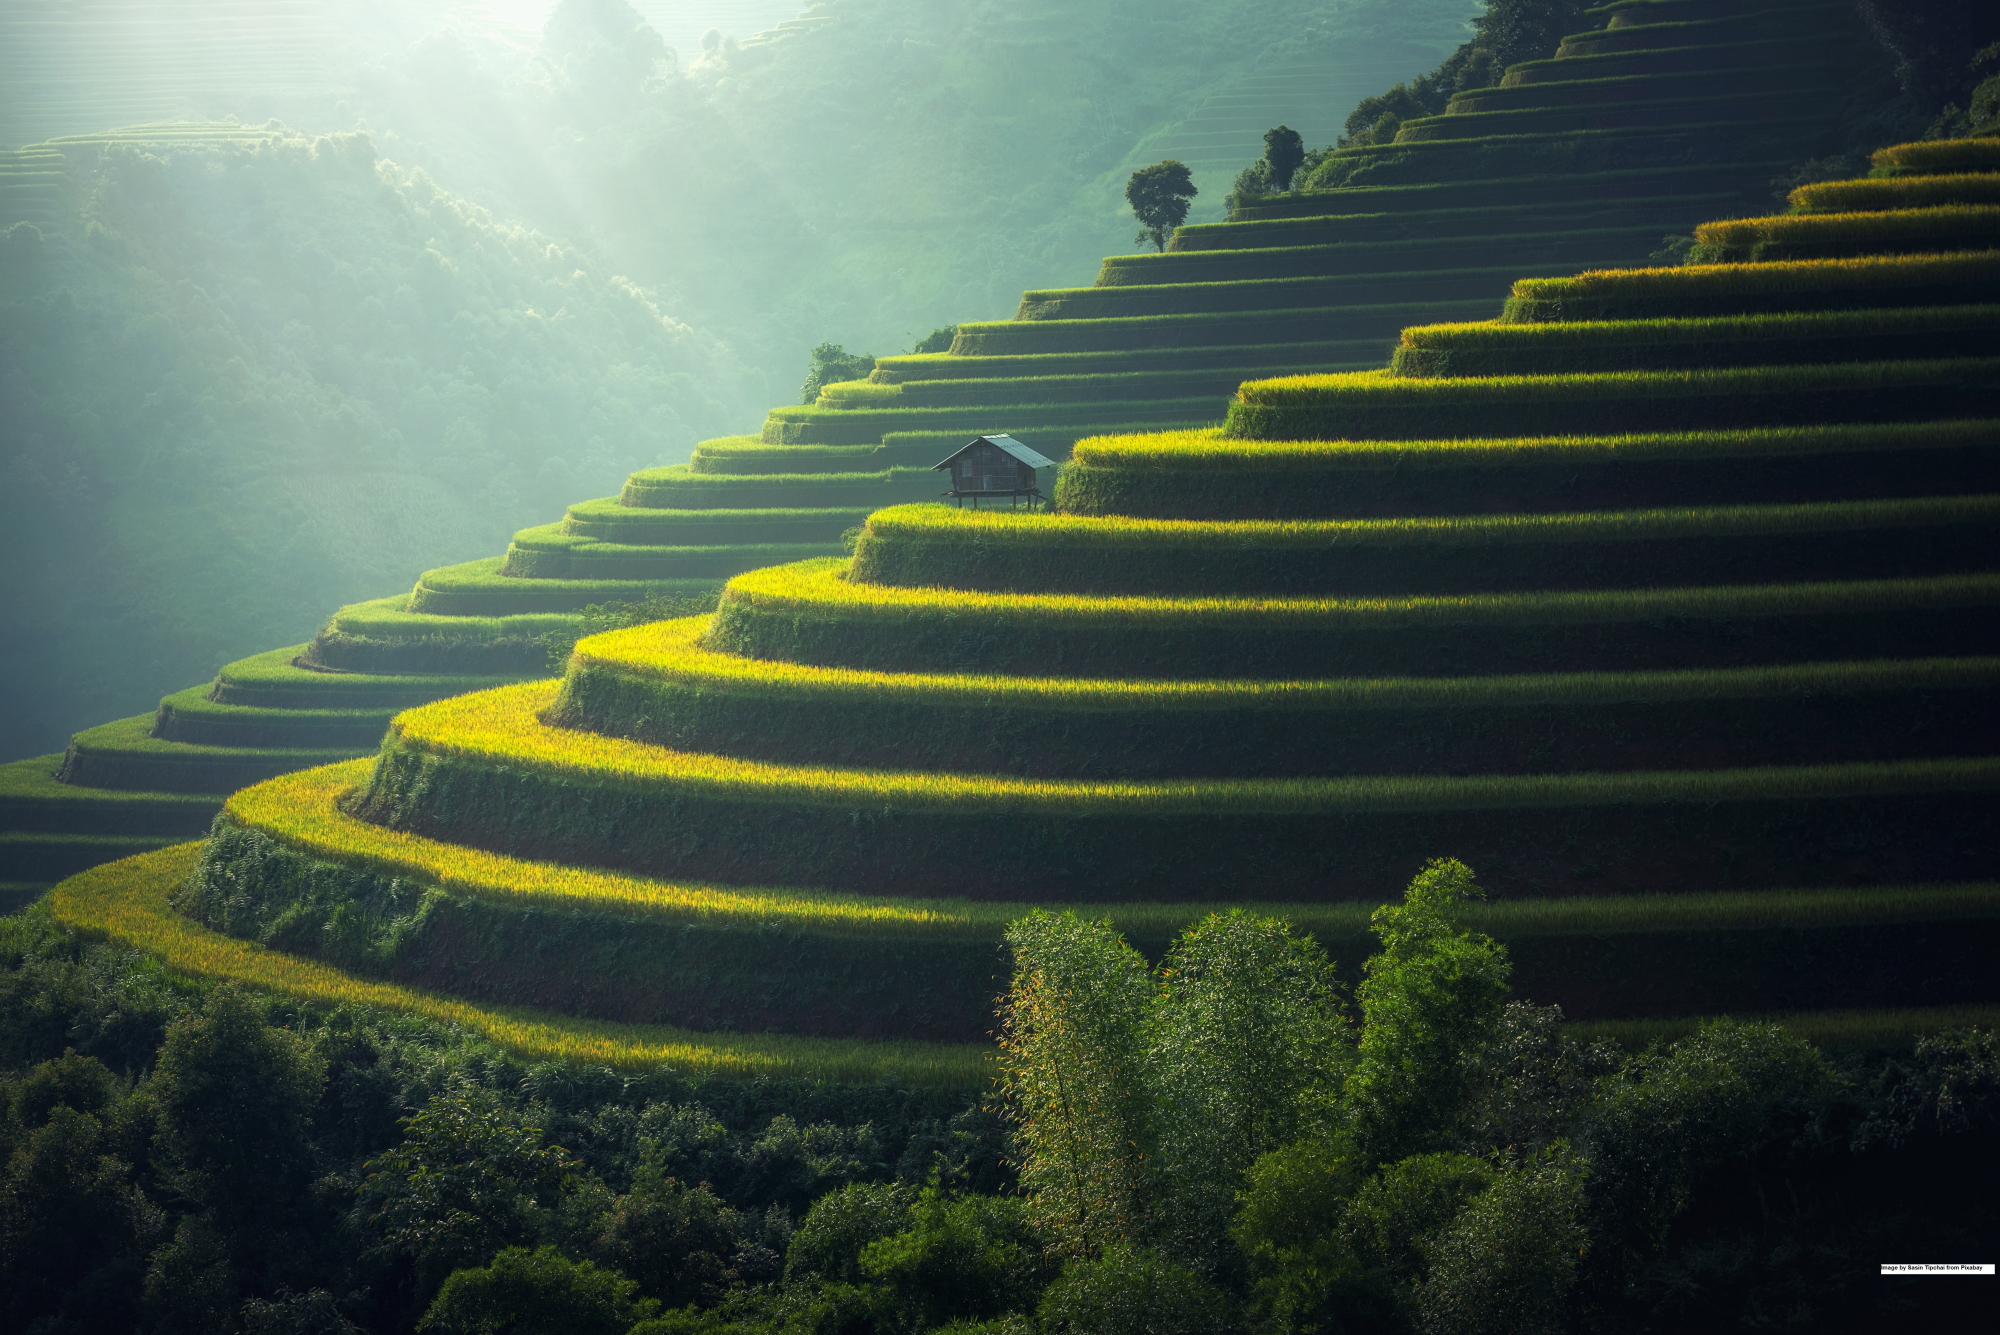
[(1896, 192), (1381, 388), (1977, 154), (1210, 450), (503, 729), (301, 812), (818, 589), (1939, 223), (126, 901), (673, 651), (995, 528), (1670, 330), (1701, 280)]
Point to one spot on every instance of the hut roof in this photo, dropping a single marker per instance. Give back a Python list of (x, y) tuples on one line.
[(1006, 443)]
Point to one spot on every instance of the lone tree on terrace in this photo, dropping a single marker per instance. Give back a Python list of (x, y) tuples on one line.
[(1284, 150), (1159, 197)]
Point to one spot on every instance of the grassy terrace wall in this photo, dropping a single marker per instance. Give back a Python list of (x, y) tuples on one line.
[(1666, 598), (430, 914)]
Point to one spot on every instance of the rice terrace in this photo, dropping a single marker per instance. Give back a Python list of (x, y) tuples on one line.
[(1417, 755)]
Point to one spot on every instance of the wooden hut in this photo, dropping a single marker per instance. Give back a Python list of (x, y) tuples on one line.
[(994, 466)]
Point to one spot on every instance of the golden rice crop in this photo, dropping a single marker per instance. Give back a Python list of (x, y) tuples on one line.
[(1943, 220), (1977, 154), (301, 812), (503, 728), (1699, 329), (1208, 449), (1383, 388), (673, 651), (1785, 275), (941, 523), (1896, 191), (127, 901), (817, 588)]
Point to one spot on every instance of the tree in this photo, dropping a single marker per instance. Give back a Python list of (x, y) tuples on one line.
[(467, 1178), (1506, 1263), (1248, 1038), (1159, 197), (235, 1098), (1131, 1291), (536, 1293), (1431, 1002), (840, 1224), (1072, 1057), (673, 1239), (1284, 150), (69, 1223), (965, 1259)]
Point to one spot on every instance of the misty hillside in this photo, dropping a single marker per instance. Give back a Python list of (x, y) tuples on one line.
[(419, 271), (265, 375)]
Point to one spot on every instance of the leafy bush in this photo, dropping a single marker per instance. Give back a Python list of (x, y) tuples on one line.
[(1131, 1291), (831, 363), (536, 1293)]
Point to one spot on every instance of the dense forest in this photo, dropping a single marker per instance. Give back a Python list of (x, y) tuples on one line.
[(1230, 1140)]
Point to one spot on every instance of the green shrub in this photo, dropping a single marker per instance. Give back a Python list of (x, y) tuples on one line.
[(831, 362), (963, 1259), (536, 1293), (840, 1225), (1130, 1291)]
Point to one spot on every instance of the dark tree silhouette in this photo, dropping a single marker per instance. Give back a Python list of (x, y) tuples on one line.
[(1159, 197), (1284, 150)]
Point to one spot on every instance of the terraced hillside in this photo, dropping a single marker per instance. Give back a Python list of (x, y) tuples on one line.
[(1663, 600), (1703, 103), (1225, 133), (1308, 282)]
